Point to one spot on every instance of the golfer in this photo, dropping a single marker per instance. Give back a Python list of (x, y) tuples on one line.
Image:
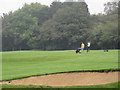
[(88, 46), (82, 47)]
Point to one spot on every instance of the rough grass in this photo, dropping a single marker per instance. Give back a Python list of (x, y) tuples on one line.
[(19, 64)]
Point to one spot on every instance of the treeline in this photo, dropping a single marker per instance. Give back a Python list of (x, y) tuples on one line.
[(60, 26)]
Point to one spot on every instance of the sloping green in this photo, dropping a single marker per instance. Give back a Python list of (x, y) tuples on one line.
[(19, 64)]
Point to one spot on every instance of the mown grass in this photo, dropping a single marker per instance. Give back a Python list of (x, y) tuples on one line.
[(19, 64), (110, 85)]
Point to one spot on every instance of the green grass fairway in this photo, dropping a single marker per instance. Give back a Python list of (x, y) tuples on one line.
[(19, 64)]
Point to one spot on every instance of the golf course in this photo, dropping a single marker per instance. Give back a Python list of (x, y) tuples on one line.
[(23, 64), (58, 44)]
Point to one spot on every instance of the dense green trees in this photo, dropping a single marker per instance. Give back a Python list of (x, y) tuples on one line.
[(66, 28), (105, 28), (60, 26)]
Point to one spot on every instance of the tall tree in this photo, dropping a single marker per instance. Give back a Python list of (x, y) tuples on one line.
[(111, 7), (67, 27)]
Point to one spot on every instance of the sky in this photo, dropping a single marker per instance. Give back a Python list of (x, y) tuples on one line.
[(95, 6)]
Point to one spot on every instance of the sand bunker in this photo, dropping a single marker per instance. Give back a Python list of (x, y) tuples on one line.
[(68, 79)]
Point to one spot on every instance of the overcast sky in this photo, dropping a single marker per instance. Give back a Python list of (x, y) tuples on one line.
[(95, 6)]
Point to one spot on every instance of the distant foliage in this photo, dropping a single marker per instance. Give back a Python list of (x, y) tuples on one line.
[(60, 26)]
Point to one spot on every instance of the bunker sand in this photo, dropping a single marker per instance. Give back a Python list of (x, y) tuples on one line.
[(68, 79)]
